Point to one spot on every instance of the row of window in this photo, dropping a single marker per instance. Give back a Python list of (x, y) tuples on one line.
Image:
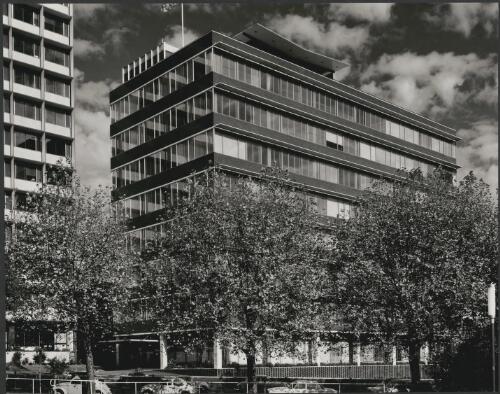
[(256, 76), (170, 157), (165, 84), (201, 145), (183, 113), (169, 194), (23, 170), (31, 47), (33, 141), (32, 110), (274, 120), (259, 115), (30, 78), (31, 15), (293, 162), (324, 206)]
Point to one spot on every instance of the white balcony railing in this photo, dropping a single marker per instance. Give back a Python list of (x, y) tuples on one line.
[(56, 37), (27, 154), (57, 68), (55, 98), (27, 27), (27, 122), (28, 59), (61, 8), (27, 90), (58, 130)]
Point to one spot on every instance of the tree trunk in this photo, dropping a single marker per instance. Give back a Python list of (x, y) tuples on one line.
[(89, 361), (414, 357), (251, 371)]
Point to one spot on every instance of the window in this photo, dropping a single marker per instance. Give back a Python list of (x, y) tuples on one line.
[(56, 55), (57, 86), (6, 104), (58, 146), (27, 109), (6, 135), (27, 14), (6, 39), (56, 25), (34, 336), (27, 77), (6, 72), (58, 117), (27, 46), (7, 168), (27, 140), (28, 171)]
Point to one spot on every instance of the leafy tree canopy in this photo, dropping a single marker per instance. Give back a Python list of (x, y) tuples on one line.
[(241, 260), (67, 259), (416, 260)]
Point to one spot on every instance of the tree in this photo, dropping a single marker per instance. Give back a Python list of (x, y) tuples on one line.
[(241, 263), (415, 261), (67, 260)]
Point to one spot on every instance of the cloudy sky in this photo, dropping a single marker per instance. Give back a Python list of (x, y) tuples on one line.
[(438, 60)]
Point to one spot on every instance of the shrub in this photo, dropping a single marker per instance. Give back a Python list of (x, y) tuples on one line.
[(16, 358), (57, 366), (40, 356)]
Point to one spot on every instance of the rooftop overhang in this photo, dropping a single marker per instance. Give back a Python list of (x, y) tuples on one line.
[(269, 41)]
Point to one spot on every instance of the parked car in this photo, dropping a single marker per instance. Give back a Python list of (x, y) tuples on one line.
[(301, 386), (75, 386), (170, 386)]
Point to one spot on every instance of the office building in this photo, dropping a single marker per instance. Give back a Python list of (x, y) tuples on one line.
[(38, 127), (248, 101)]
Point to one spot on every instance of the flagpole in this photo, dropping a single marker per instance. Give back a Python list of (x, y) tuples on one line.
[(182, 23)]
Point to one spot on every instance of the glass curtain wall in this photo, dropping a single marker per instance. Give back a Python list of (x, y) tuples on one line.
[(251, 74)]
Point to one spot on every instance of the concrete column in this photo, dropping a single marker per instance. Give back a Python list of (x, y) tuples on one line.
[(163, 352), (318, 356), (217, 354), (358, 354), (424, 353), (394, 355), (117, 355)]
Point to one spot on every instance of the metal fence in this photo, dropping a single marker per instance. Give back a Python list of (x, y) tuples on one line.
[(197, 386), (360, 372)]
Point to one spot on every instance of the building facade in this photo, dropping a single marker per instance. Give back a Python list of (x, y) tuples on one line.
[(38, 100), (248, 101)]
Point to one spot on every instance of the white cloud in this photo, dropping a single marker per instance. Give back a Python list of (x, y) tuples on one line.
[(429, 83), (87, 10), (85, 49), (332, 37), (369, 12), (479, 151), (92, 130), (114, 37), (92, 147), (464, 17), (174, 37)]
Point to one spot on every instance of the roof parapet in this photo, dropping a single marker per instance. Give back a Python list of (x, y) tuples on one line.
[(266, 39)]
